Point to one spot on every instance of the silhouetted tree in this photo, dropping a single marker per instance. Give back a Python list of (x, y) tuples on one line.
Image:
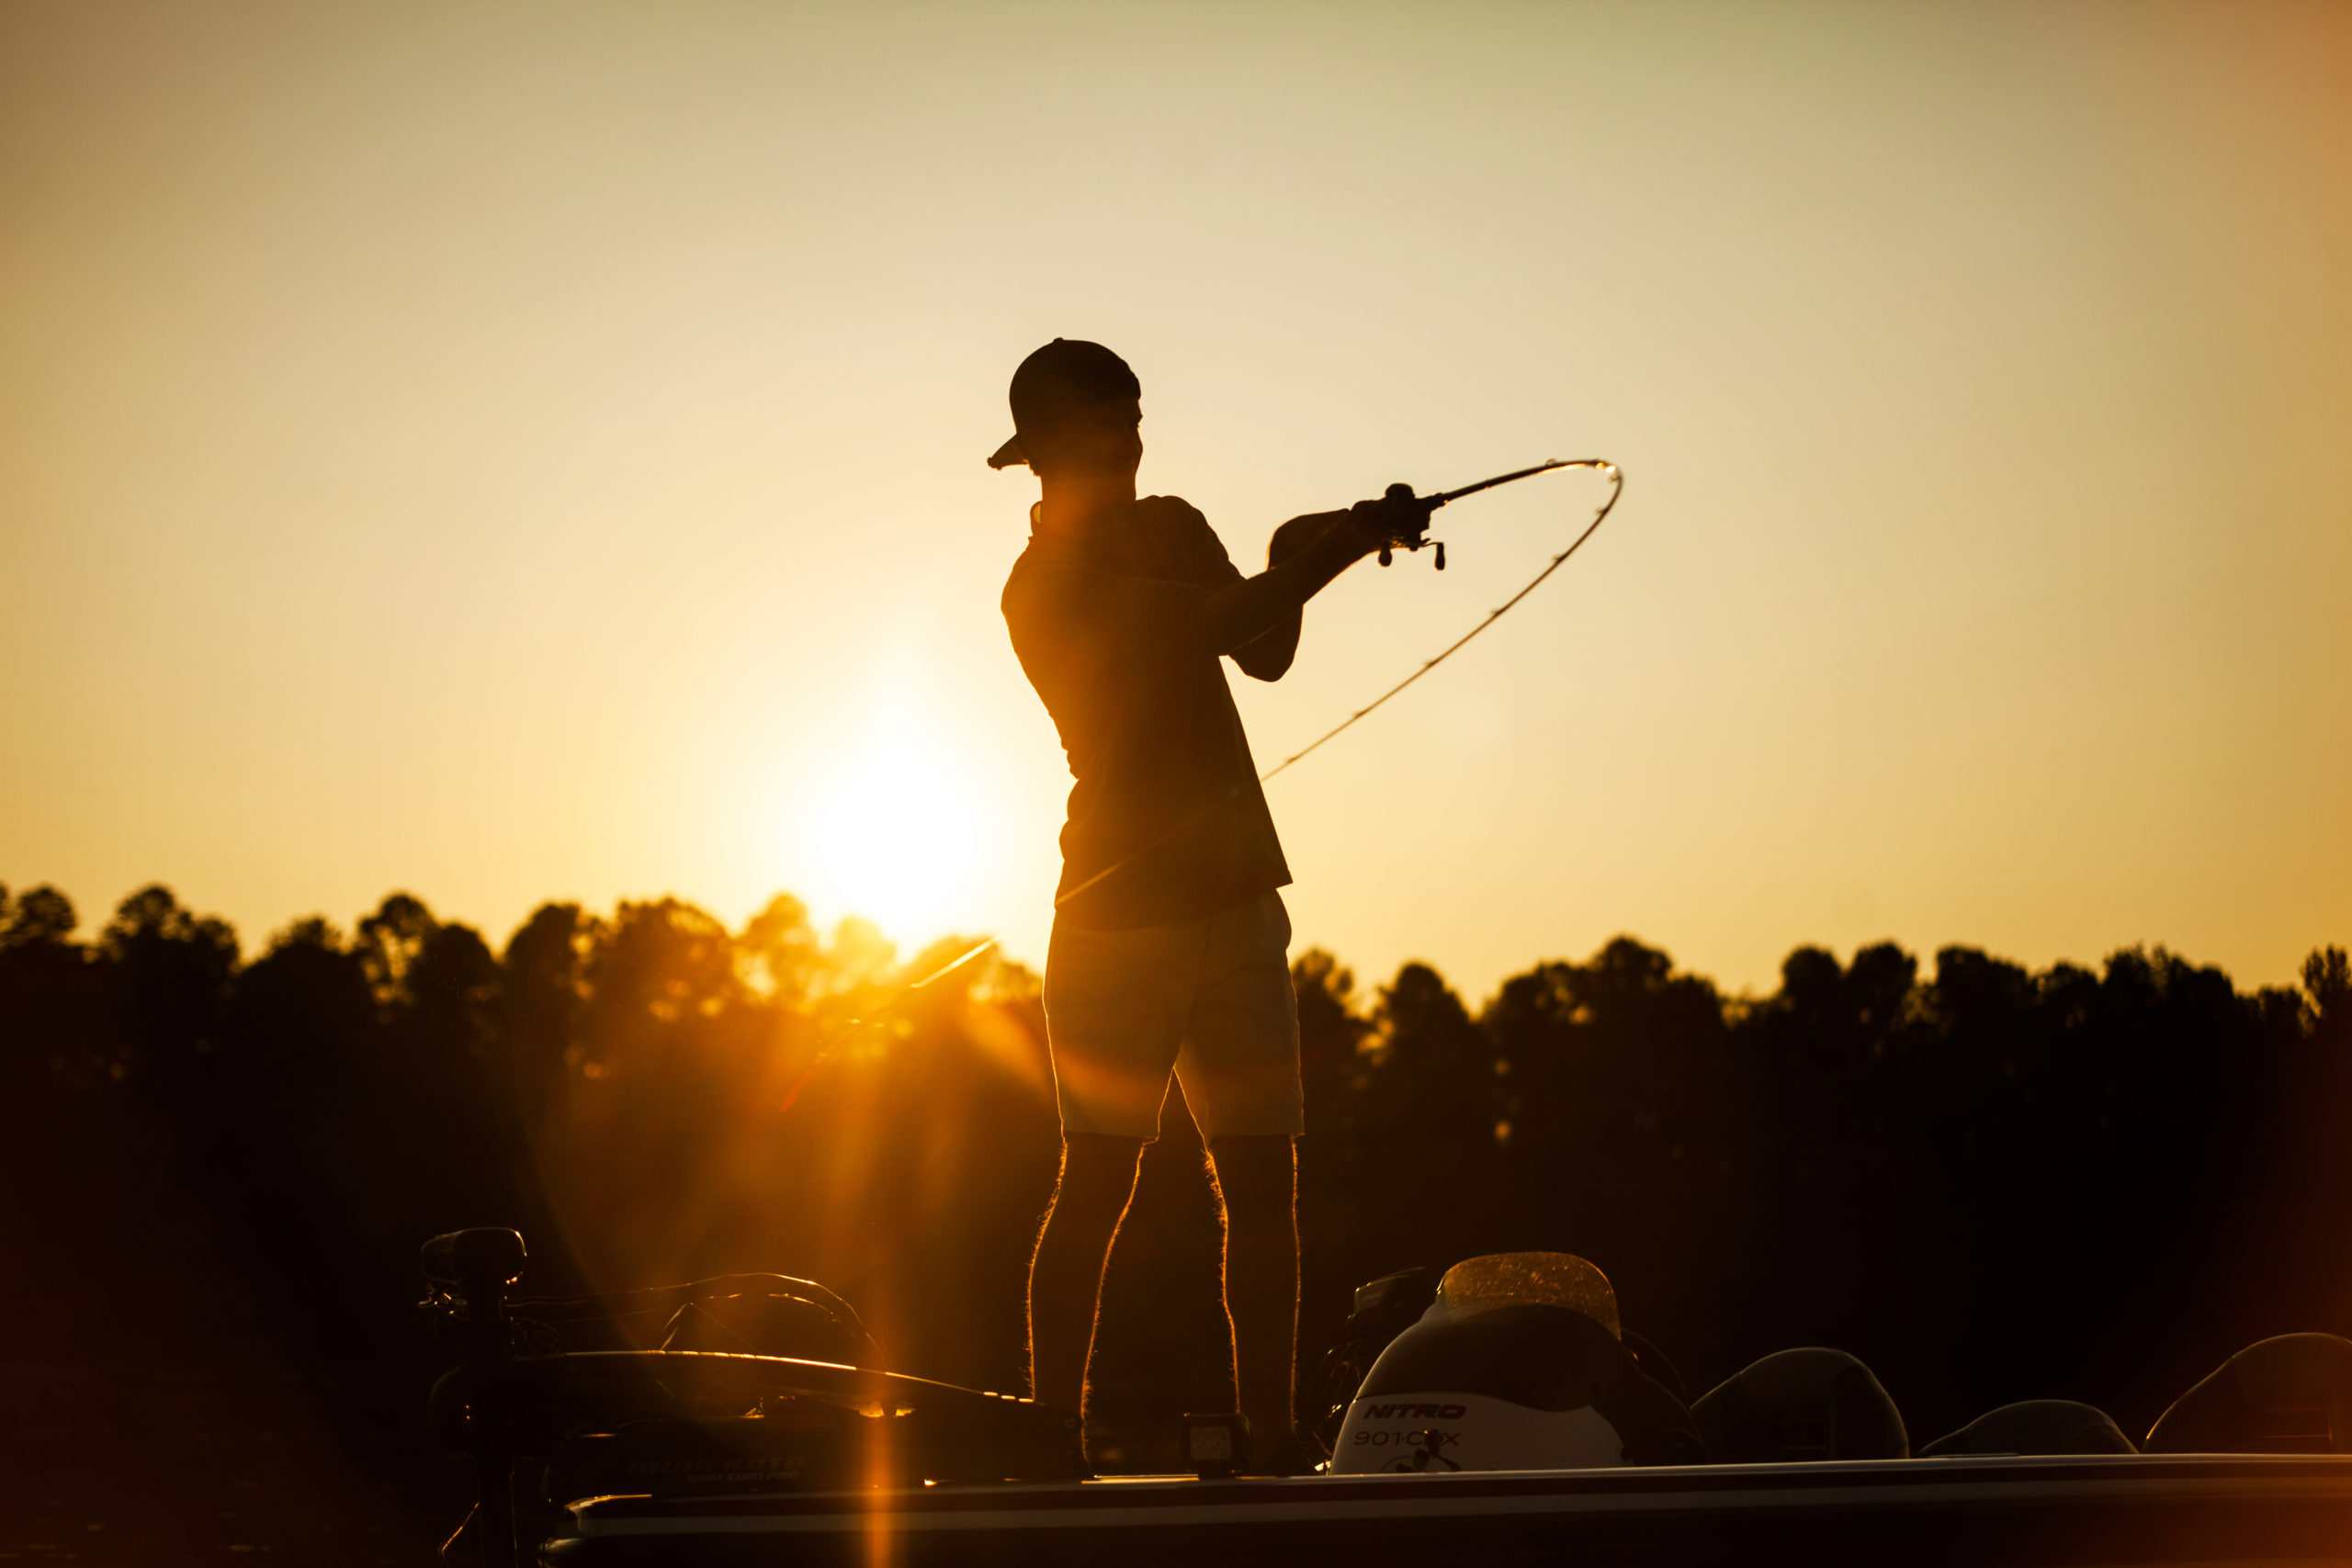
[(50, 1028), (167, 974), (541, 997)]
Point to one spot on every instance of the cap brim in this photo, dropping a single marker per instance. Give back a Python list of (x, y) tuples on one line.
[(1006, 455)]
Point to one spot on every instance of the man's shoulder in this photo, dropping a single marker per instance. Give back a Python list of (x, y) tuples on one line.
[(1172, 513), (1041, 560), (1041, 576), (1183, 538)]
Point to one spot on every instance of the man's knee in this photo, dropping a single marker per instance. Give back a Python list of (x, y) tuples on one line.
[(1098, 1175), (1258, 1176)]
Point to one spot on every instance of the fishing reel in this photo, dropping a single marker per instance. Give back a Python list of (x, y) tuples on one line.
[(1408, 527), (1409, 514)]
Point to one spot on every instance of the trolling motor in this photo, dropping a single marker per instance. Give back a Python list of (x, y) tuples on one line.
[(1411, 527), (474, 1409), (762, 1384)]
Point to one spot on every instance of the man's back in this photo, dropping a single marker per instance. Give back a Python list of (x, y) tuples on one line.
[(1112, 638)]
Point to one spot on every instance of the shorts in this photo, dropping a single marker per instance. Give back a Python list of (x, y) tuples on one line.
[(1210, 997)]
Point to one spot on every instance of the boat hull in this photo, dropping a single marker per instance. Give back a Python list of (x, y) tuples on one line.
[(2107, 1510)]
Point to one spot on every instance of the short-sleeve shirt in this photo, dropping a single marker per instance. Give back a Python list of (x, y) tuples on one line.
[(1115, 642)]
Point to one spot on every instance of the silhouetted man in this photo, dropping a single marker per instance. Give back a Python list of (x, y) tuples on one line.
[(1170, 947)]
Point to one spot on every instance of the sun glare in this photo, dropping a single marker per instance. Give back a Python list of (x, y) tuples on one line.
[(893, 832)]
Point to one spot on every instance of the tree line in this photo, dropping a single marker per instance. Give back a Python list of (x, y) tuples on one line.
[(1990, 1182)]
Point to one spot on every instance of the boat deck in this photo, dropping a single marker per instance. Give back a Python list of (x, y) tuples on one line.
[(2104, 1509)]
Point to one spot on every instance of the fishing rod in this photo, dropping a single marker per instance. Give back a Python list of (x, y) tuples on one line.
[(936, 975), (836, 1031), (1413, 532), (1408, 531)]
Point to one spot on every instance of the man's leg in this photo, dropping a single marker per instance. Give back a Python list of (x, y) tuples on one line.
[(1066, 1276), (1258, 1179)]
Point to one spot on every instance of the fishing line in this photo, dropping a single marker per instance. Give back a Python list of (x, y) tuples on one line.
[(832, 1033), (1616, 488), (1411, 539)]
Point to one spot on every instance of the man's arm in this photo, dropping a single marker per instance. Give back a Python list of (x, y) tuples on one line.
[(1239, 615), (1268, 655)]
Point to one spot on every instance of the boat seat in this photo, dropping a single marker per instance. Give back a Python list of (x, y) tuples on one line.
[(1516, 1363), (2287, 1395), (2035, 1426), (1807, 1403)]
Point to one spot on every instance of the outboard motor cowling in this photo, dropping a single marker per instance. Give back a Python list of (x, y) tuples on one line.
[(1516, 1365), (2035, 1426), (2287, 1395), (1798, 1405)]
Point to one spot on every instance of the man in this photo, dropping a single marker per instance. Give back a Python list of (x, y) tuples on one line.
[(1170, 947)]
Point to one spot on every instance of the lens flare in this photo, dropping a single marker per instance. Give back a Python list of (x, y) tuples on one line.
[(893, 834)]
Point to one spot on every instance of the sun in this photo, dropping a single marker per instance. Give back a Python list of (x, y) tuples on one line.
[(894, 830)]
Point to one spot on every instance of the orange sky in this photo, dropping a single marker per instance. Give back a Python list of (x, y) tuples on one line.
[(512, 452)]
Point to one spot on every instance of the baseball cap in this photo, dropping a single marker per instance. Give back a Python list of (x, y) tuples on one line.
[(1067, 376)]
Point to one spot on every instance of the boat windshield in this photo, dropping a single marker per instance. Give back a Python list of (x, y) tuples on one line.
[(1518, 1279)]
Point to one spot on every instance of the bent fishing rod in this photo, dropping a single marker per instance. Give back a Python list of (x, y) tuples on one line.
[(1407, 531), (832, 1033)]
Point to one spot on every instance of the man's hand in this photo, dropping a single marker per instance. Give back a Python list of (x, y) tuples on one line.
[(1397, 518), (1301, 533), (1363, 529), (1378, 522)]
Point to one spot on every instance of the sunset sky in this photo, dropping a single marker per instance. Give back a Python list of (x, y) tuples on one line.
[(511, 452)]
